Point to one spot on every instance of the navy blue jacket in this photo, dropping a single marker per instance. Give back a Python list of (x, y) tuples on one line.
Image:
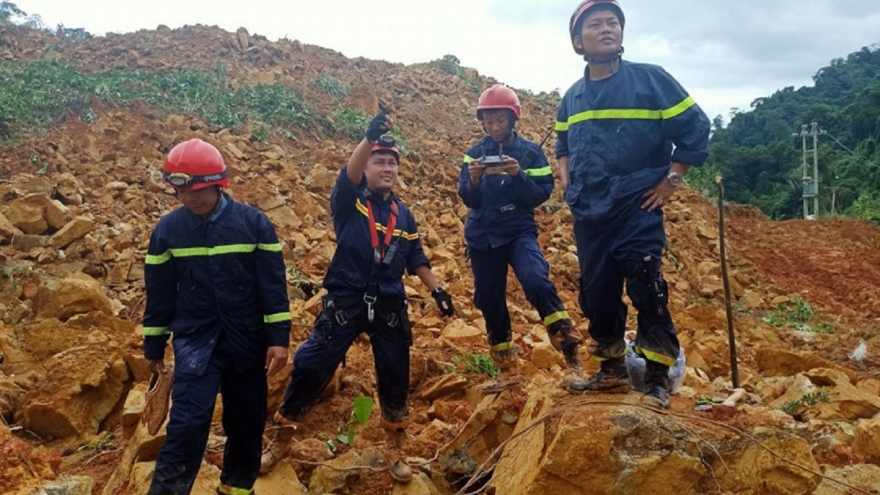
[(618, 135), (221, 279), (503, 207), (349, 270)]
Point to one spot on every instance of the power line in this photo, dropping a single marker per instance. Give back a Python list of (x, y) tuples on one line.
[(853, 153)]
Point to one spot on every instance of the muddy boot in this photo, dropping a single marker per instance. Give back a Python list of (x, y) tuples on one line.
[(400, 471), (279, 444), (563, 334), (656, 385), (574, 372), (504, 358), (612, 375)]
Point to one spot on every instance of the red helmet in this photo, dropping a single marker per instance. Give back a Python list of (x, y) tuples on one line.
[(196, 164), (386, 143), (498, 97), (588, 6)]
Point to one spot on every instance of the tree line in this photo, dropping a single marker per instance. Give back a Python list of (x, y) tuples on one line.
[(760, 159)]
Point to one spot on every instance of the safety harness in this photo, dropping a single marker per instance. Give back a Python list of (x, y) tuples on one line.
[(383, 254)]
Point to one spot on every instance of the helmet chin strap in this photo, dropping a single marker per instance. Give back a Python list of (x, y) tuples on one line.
[(608, 60)]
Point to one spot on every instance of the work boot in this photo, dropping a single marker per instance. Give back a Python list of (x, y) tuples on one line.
[(656, 385), (574, 372), (612, 375), (400, 471), (562, 333), (279, 445), (504, 358)]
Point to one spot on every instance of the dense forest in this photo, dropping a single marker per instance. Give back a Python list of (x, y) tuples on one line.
[(760, 157)]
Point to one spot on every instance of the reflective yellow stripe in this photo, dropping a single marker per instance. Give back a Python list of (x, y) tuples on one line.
[(382, 228), (276, 317), (501, 347), (157, 259), (274, 248), (538, 172), (656, 357), (678, 109), (553, 318), (156, 331), (231, 490), (468, 159), (213, 251), (361, 207), (627, 113)]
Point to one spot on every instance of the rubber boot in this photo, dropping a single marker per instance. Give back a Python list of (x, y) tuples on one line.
[(612, 375), (279, 445), (656, 385)]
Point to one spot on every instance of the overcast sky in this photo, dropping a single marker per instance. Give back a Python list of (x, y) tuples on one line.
[(725, 53)]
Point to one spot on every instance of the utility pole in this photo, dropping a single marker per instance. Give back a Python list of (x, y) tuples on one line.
[(810, 184)]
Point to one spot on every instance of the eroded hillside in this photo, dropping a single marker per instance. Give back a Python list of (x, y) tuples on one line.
[(79, 202)]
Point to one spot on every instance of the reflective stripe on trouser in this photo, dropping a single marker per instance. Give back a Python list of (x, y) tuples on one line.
[(192, 406), (490, 284), (607, 258), (231, 490), (319, 356)]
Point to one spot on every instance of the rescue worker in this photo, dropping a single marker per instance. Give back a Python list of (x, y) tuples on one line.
[(377, 241), (627, 135), (215, 279), (503, 179)]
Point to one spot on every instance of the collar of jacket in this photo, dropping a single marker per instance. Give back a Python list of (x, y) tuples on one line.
[(376, 198), (198, 221), (582, 87), (488, 143)]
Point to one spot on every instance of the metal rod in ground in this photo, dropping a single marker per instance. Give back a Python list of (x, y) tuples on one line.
[(734, 372)]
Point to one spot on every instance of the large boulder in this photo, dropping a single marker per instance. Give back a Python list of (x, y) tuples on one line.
[(81, 388), (63, 298), (589, 447)]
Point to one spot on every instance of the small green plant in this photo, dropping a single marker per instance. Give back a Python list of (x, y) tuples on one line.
[(481, 364), (332, 86), (100, 443), (360, 413), (794, 314), (350, 123), (10, 273), (794, 406), (327, 439)]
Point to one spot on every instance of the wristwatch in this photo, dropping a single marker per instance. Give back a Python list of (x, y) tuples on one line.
[(674, 179)]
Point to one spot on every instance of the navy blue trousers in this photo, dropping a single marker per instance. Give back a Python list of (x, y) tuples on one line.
[(244, 417), (318, 357), (490, 284), (626, 252)]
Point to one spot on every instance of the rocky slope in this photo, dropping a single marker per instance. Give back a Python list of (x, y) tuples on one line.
[(73, 236)]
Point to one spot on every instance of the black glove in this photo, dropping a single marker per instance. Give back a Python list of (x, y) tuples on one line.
[(374, 130), (444, 302)]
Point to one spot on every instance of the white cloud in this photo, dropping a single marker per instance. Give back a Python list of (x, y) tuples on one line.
[(725, 53)]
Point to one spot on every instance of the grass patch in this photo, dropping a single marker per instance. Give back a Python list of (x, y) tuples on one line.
[(332, 86), (41, 94)]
